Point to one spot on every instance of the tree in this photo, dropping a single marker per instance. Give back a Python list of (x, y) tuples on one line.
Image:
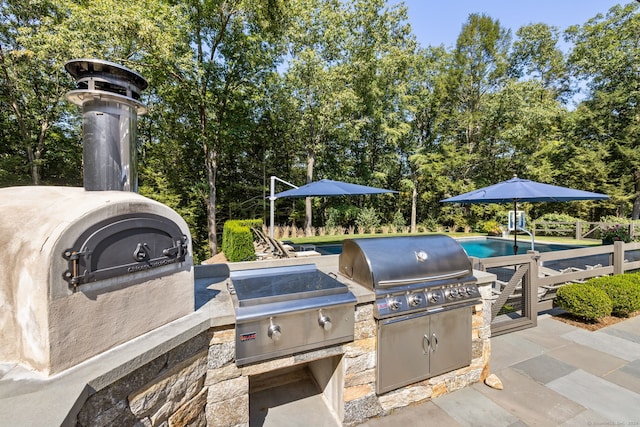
[(32, 79), (535, 55), (606, 55), (317, 82), (232, 50), (479, 69)]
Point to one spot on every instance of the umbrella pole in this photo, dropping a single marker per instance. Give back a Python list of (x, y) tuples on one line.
[(515, 227)]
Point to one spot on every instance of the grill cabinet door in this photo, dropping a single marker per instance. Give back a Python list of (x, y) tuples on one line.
[(403, 351), (450, 337)]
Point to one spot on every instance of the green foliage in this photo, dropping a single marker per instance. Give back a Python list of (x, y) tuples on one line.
[(615, 233), (567, 223), (491, 227), (557, 217), (239, 91), (429, 224), (368, 220), (398, 220), (584, 301), (237, 239), (622, 289)]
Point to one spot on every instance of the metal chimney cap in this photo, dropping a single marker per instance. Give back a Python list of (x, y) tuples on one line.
[(85, 67)]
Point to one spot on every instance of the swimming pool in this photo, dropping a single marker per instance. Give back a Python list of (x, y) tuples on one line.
[(480, 247)]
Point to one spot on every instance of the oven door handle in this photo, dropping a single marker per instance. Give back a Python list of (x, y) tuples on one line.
[(425, 340), (434, 339)]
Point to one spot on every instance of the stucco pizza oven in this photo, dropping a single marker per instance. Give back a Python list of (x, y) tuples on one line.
[(85, 269)]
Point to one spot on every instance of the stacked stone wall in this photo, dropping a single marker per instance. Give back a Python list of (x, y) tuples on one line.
[(168, 391), (198, 383)]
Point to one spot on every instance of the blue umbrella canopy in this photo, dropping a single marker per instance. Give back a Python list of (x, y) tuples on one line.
[(327, 187), (524, 190)]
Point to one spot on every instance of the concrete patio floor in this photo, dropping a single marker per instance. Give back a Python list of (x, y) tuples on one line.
[(553, 375)]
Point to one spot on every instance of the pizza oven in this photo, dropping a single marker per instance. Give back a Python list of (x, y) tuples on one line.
[(86, 269)]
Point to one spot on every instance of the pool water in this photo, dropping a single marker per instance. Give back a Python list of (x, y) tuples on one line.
[(486, 248), (480, 247)]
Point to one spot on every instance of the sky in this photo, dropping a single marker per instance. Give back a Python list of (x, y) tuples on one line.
[(439, 22)]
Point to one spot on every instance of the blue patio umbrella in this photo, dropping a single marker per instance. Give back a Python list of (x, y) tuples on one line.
[(322, 188), (523, 190), (327, 187)]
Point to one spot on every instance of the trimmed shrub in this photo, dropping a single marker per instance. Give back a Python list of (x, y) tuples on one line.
[(623, 290), (583, 300), (237, 239), (367, 220), (491, 227), (398, 220)]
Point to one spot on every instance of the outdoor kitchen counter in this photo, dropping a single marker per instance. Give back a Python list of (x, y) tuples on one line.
[(29, 398)]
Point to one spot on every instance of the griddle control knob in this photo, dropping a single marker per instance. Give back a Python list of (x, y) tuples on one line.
[(325, 322), (393, 303), (414, 300), (274, 330)]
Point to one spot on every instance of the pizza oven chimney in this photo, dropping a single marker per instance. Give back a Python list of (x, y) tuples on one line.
[(109, 95)]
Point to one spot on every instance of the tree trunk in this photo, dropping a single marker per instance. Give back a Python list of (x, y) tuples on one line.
[(311, 159), (212, 166), (636, 201), (414, 208)]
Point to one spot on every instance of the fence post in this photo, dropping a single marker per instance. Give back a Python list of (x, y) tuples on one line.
[(618, 257), (532, 278), (578, 230)]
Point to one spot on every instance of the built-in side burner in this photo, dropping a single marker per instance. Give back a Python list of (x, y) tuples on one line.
[(285, 310), (263, 289)]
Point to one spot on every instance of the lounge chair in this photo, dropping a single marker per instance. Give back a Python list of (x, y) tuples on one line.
[(285, 251), (261, 241)]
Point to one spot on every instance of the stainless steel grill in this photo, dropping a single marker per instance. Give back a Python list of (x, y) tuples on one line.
[(285, 310), (425, 290)]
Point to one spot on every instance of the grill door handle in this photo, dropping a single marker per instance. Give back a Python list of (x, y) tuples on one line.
[(425, 339), (434, 339)]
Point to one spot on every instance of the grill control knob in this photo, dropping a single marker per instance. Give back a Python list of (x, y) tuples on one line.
[(393, 303), (414, 300), (325, 322), (434, 297), (274, 332), (451, 293)]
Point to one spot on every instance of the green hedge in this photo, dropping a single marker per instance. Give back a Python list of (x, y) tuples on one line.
[(623, 290), (237, 239), (584, 300)]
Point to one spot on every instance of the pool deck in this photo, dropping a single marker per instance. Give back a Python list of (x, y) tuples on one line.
[(553, 375)]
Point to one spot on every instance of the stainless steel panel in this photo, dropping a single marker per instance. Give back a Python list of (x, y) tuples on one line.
[(402, 352), (416, 347), (450, 337), (296, 332), (109, 150)]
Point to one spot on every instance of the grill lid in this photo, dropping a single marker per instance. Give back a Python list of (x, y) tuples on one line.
[(396, 261), (276, 284)]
